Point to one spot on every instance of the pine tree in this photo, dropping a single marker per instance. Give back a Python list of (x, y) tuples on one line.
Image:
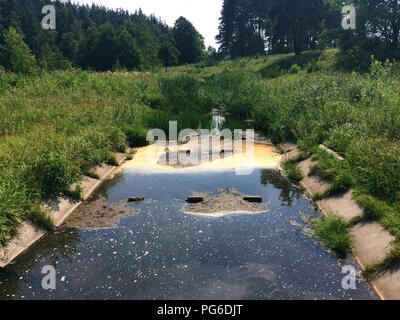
[(188, 41), (15, 55)]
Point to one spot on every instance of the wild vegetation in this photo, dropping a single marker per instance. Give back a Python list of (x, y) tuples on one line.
[(333, 233), (57, 125)]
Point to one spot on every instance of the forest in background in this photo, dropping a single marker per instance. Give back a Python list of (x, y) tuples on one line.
[(92, 38), (251, 27), (99, 39)]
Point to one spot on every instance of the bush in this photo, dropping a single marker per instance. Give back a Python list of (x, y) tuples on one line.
[(18, 202), (136, 136), (313, 66), (271, 72), (340, 138), (53, 173), (180, 93), (341, 184), (237, 93), (294, 69)]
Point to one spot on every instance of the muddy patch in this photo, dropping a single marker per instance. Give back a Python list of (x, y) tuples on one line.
[(228, 201), (99, 214)]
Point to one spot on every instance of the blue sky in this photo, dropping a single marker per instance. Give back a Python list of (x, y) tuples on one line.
[(203, 14)]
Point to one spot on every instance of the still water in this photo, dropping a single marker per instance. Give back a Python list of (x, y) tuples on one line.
[(163, 253)]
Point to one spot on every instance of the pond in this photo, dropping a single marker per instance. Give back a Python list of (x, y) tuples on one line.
[(163, 253)]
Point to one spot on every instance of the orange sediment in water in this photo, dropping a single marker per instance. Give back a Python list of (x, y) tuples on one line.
[(152, 158)]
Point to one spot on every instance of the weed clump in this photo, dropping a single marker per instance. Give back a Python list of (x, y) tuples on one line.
[(332, 232), (292, 172)]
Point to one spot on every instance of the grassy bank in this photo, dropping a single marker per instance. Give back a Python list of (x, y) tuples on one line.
[(57, 126)]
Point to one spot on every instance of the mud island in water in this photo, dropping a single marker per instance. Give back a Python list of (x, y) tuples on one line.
[(227, 202), (99, 214)]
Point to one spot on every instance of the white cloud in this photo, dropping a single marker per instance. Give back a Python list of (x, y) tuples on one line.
[(203, 14)]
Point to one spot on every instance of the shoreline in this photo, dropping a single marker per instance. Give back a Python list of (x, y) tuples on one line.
[(308, 188), (60, 209)]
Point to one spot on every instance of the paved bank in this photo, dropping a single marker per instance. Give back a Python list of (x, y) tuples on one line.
[(59, 209), (371, 242)]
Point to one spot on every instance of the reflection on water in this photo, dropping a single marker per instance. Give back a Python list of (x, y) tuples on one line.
[(163, 253), (152, 158), (288, 191), (54, 247)]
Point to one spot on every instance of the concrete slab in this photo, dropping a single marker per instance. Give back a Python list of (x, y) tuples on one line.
[(333, 153), (372, 243), (291, 155), (342, 206), (305, 166), (312, 184), (389, 284), (120, 157), (27, 234), (60, 208), (89, 186), (104, 170)]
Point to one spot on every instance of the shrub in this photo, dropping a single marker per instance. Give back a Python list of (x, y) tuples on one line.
[(180, 93), (340, 138), (294, 69), (313, 66), (271, 72), (136, 136), (238, 93), (53, 173), (342, 183)]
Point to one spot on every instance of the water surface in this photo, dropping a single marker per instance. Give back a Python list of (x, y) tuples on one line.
[(162, 253)]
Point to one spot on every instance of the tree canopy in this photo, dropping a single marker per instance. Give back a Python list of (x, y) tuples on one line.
[(188, 41), (249, 27), (97, 38)]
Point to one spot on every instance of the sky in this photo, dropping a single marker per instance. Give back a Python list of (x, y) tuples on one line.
[(203, 14)]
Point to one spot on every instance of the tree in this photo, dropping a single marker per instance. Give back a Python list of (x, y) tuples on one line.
[(168, 54), (15, 54), (145, 39), (247, 27), (81, 28), (188, 40), (129, 55)]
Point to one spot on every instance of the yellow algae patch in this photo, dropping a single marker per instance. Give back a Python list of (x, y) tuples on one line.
[(154, 158)]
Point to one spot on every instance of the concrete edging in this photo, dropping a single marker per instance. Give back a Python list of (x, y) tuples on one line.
[(323, 210), (60, 209)]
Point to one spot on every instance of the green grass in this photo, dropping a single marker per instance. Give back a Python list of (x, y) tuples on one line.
[(292, 172), (380, 211), (341, 184), (333, 233), (91, 174)]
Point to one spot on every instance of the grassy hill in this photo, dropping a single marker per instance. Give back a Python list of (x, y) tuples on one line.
[(55, 127)]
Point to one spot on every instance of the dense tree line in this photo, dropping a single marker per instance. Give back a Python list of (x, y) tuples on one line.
[(249, 27), (93, 37)]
